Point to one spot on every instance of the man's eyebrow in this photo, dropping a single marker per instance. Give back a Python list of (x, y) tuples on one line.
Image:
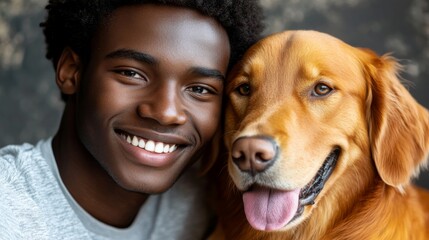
[(132, 54), (207, 72)]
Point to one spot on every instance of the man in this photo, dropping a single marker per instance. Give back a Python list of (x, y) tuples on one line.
[(143, 83)]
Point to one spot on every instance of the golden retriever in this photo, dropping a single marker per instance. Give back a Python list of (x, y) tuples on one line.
[(322, 141)]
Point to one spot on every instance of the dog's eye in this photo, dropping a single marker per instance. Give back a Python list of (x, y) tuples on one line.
[(321, 89), (244, 89)]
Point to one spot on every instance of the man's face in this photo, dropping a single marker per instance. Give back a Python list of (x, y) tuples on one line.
[(149, 99)]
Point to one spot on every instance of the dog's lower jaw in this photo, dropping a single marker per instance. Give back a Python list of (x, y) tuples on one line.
[(309, 193)]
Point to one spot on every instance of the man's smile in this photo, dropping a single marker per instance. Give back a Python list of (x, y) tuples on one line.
[(153, 150), (149, 145)]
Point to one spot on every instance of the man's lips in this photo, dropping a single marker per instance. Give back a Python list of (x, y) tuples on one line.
[(152, 151)]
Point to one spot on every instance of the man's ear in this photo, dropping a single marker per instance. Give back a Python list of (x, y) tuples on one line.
[(68, 72)]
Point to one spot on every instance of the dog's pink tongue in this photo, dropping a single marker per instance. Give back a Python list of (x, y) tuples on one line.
[(268, 209)]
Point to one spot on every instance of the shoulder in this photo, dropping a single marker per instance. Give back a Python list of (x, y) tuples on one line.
[(16, 160), (9, 225), (25, 177), (12, 160), (32, 205), (22, 171), (11, 152)]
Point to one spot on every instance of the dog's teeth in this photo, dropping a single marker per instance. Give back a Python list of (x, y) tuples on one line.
[(308, 200)]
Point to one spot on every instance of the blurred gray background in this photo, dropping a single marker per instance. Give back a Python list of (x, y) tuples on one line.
[(30, 102)]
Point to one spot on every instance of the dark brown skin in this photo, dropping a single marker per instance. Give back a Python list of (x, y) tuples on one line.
[(155, 72)]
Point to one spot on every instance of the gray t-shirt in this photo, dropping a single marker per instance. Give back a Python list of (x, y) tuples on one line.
[(34, 204)]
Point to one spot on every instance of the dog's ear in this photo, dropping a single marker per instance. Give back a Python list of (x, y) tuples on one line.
[(398, 125)]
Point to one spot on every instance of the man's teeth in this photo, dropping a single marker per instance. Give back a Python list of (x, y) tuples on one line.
[(149, 145)]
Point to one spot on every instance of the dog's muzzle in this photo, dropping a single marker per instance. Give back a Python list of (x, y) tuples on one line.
[(309, 193)]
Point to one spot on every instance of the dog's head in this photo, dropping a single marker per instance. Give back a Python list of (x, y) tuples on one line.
[(304, 108)]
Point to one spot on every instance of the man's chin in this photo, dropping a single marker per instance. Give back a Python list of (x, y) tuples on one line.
[(150, 180), (149, 185)]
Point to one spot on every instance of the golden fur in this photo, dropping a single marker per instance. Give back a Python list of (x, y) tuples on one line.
[(383, 134)]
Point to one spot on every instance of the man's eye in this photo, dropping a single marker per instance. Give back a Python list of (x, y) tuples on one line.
[(199, 90), (130, 74)]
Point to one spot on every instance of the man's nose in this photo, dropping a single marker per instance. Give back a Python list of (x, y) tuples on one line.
[(164, 105)]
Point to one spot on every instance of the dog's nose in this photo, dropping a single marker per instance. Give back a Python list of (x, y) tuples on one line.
[(254, 154)]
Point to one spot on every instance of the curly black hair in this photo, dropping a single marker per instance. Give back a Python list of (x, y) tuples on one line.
[(72, 23)]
